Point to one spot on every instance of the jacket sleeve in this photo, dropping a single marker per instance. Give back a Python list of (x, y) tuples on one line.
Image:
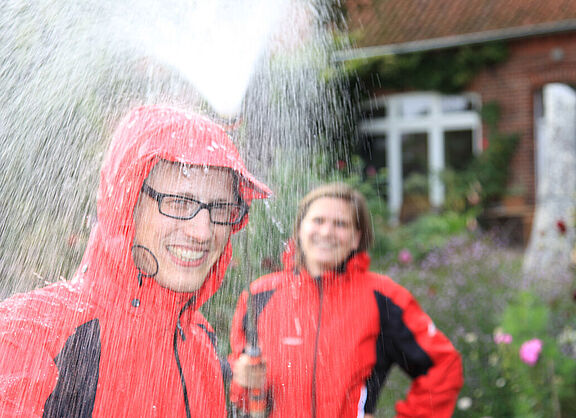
[(239, 336), (237, 331), (238, 395), (27, 373), (410, 339)]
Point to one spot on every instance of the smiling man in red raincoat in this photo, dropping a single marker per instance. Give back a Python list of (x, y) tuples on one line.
[(124, 337)]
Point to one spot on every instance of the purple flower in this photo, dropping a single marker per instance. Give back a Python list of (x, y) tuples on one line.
[(530, 351), (502, 338)]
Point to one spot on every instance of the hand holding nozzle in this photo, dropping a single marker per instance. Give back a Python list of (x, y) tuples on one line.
[(249, 369), (250, 372)]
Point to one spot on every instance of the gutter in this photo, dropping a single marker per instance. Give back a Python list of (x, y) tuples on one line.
[(475, 38)]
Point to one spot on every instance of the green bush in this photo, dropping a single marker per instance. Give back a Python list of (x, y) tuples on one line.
[(544, 385), (423, 235), (465, 286), (485, 180)]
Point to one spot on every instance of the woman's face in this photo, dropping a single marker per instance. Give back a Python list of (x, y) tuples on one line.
[(327, 234)]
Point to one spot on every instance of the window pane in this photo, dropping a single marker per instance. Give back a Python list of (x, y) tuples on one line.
[(454, 104), (411, 107), (458, 150), (414, 154), (415, 163), (415, 176)]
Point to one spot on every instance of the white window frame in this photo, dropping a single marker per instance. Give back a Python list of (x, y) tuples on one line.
[(434, 124)]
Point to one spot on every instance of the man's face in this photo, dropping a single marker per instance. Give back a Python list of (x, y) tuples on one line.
[(327, 234), (185, 249)]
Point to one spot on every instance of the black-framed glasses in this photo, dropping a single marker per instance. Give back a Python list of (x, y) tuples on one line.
[(184, 208)]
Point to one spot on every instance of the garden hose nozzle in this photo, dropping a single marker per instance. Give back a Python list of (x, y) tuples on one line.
[(256, 396)]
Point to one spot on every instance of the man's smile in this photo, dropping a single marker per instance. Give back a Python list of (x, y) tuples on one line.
[(187, 255)]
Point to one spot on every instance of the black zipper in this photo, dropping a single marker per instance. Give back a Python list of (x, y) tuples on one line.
[(320, 294), (178, 330)]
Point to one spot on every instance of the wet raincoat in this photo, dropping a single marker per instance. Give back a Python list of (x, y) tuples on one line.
[(103, 344), (329, 343)]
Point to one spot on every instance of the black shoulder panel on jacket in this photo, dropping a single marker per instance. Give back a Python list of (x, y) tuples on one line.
[(258, 302), (395, 345), (78, 366), (224, 365), (211, 335)]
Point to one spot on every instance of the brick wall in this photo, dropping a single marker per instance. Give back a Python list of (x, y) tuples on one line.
[(533, 62)]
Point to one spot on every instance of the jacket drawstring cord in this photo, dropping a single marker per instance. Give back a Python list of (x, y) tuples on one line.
[(180, 330), (316, 340), (140, 273)]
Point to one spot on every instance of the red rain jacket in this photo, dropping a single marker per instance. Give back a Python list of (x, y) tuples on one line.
[(102, 345), (330, 342)]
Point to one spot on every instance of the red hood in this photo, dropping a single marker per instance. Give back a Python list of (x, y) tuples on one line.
[(144, 136)]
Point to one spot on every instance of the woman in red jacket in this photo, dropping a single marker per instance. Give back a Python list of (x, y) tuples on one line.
[(329, 330), (124, 338)]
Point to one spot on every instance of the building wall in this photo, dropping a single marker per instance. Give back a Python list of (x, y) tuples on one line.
[(533, 62)]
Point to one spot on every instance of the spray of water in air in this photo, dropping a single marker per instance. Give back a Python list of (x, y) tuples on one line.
[(71, 69)]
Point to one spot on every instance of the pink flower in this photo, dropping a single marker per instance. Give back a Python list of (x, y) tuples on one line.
[(405, 256), (371, 171), (530, 351), (502, 338)]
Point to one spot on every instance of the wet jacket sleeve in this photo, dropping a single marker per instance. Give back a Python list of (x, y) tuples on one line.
[(237, 332), (238, 394), (24, 389), (410, 339)]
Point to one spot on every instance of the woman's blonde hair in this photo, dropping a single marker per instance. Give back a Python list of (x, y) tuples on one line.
[(343, 191)]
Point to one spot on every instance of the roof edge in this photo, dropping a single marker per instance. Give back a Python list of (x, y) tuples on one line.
[(456, 40)]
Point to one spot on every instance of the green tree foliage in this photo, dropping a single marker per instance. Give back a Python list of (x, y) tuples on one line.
[(447, 71), (485, 179)]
